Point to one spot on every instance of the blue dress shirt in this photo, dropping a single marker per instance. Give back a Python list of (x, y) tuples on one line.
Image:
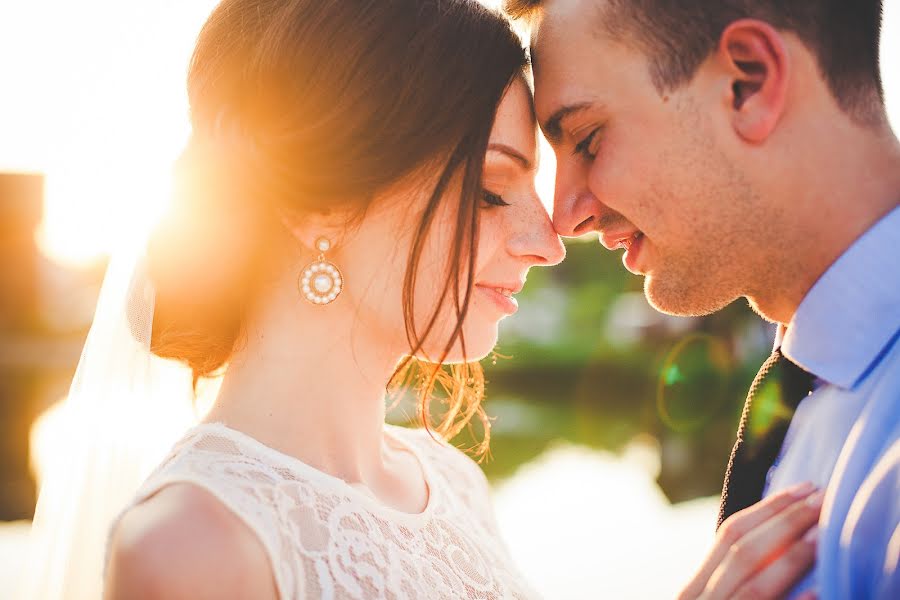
[(845, 436)]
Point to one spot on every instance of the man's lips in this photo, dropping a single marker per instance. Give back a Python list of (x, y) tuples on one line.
[(613, 240)]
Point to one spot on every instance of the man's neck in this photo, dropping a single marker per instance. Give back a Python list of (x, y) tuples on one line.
[(843, 191)]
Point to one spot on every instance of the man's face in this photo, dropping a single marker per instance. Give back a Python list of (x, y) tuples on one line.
[(646, 170)]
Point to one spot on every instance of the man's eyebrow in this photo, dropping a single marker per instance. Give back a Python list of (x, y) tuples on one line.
[(551, 126), (513, 154)]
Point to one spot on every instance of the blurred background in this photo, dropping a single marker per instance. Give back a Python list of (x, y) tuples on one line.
[(613, 422)]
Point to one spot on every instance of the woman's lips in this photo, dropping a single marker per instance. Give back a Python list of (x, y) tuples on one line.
[(501, 297)]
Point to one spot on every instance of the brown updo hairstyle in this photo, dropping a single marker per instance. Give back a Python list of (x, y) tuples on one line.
[(298, 105)]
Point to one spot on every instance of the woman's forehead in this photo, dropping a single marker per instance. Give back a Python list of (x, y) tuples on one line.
[(515, 125)]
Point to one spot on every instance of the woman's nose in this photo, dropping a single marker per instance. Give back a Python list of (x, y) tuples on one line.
[(537, 241)]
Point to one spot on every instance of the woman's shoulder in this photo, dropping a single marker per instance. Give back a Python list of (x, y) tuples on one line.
[(221, 459), (183, 542), (442, 457)]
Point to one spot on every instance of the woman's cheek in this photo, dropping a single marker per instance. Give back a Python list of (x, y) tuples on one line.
[(491, 235)]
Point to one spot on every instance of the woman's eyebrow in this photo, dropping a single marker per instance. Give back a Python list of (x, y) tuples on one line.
[(513, 154)]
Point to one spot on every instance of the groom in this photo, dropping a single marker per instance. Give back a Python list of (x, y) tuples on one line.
[(741, 149)]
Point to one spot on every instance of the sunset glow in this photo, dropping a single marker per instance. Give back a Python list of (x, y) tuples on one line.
[(100, 108)]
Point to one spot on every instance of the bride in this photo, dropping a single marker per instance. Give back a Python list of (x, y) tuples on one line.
[(355, 213)]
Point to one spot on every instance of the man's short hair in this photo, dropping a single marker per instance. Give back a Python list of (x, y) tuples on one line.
[(677, 36)]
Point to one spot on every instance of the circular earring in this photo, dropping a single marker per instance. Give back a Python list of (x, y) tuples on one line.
[(321, 282)]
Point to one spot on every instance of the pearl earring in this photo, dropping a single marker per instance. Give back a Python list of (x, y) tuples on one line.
[(321, 282)]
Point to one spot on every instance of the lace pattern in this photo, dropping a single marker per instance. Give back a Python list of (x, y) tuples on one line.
[(326, 539)]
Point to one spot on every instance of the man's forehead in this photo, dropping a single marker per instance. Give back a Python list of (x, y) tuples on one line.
[(573, 58), (562, 26), (560, 53), (559, 16)]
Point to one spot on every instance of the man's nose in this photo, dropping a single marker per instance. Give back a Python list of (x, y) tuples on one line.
[(576, 210)]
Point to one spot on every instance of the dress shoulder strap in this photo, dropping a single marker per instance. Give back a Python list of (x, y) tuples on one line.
[(244, 483)]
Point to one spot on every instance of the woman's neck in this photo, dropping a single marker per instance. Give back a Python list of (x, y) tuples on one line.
[(310, 384)]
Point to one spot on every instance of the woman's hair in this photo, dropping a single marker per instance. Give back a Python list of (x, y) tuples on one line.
[(298, 106)]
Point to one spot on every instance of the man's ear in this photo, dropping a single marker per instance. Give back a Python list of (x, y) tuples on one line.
[(758, 66)]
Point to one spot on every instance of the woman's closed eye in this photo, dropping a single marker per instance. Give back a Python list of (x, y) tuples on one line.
[(492, 199)]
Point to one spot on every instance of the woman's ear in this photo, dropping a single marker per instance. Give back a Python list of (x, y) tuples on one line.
[(756, 57), (309, 228)]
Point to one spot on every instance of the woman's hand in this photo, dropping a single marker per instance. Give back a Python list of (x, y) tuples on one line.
[(761, 551)]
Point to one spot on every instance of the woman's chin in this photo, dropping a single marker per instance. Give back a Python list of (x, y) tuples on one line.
[(480, 343)]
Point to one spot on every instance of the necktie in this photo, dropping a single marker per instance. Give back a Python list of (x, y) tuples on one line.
[(777, 390)]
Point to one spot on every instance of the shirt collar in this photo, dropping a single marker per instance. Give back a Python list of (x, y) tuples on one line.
[(853, 311)]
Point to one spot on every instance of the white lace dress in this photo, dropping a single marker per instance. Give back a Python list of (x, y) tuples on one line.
[(327, 539)]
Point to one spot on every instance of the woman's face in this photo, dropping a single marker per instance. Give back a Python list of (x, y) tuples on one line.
[(515, 234)]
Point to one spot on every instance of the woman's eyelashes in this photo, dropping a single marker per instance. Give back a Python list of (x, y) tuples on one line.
[(492, 199)]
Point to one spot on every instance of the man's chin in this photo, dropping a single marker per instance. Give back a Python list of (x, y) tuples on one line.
[(677, 297)]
